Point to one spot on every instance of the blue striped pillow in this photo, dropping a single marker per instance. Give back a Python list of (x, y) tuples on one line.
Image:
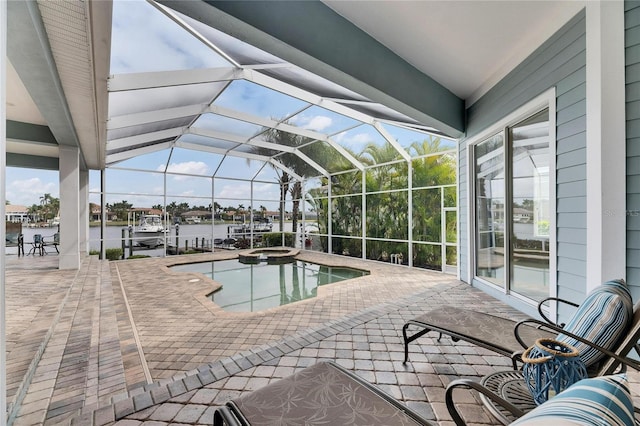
[(600, 401), (602, 318)]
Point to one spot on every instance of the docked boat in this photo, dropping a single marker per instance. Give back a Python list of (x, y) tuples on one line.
[(150, 231), (245, 229)]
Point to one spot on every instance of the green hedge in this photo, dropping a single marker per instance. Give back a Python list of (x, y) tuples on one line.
[(111, 253), (274, 239)]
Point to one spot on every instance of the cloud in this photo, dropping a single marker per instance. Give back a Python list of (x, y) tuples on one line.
[(188, 167), (355, 141), (359, 138), (317, 123), (266, 191), (239, 191), (26, 192), (143, 39)]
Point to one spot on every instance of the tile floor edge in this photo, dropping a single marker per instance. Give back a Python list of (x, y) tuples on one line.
[(13, 407), (165, 389)]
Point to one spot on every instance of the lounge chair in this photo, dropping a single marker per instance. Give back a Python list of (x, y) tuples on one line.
[(324, 393), (598, 401), (603, 318), (509, 401)]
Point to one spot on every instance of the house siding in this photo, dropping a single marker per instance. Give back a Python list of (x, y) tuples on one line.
[(561, 63), (632, 99)]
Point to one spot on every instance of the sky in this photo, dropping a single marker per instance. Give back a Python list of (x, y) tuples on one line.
[(26, 186), (145, 40)]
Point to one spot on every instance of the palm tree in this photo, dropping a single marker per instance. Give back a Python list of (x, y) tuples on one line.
[(386, 212), (34, 212), (431, 170), (293, 162), (49, 206), (319, 151), (323, 154), (284, 188), (427, 146)]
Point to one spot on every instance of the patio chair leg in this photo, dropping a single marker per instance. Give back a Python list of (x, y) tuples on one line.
[(409, 339), (472, 385), (406, 343)]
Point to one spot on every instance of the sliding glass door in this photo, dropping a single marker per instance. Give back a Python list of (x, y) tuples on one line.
[(530, 213), (512, 208), (490, 198)]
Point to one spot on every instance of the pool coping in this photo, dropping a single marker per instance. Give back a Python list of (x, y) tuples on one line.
[(211, 285), (273, 254)]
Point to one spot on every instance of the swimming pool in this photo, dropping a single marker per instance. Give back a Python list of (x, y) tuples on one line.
[(259, 286)]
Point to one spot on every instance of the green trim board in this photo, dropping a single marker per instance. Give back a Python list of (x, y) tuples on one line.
[(32, 161), (30, 132)]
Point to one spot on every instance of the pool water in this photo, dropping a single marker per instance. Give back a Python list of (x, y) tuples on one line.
[(255, 287)]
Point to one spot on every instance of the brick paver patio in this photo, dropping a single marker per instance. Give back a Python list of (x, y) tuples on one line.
[(133, 343)]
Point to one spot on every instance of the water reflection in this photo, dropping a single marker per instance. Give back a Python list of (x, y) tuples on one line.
[(258, 286)]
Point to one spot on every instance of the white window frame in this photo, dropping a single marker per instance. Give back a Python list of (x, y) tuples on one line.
[(544, 100)]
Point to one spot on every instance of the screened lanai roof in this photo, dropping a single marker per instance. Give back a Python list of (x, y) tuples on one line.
[(178, 84)]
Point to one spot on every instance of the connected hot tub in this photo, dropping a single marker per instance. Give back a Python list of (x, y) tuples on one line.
[(262, 284)]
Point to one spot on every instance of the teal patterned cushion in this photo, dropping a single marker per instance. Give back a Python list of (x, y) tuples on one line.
[(602, 318), (600, 401)]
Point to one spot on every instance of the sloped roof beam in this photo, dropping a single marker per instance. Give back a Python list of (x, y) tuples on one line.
[(346, 154), (259, 143), (169, 13), (136, 81), (281, 86), (285, 169), (414, 127), (125, 155), (266, 122), (278, 85), (283, 28), (312, 163), (221, 151), (392, 141), (144, 138), (230, 137), (270, 145), (146, 117), (149, 80)]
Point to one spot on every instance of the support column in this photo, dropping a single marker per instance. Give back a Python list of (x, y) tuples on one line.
[(69, 207), (84, 214), (606, 180)]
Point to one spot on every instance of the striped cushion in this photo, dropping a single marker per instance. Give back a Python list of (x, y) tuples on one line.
[(603, 318), (599, 401)]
